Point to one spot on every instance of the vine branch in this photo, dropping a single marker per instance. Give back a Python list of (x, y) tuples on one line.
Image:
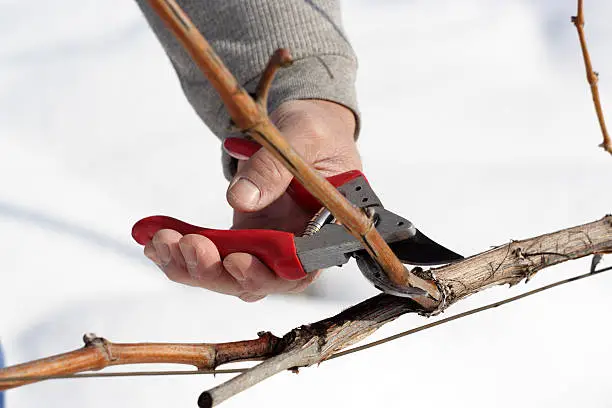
[(99, 353), (313, 343), (592, 77), (514, 262)]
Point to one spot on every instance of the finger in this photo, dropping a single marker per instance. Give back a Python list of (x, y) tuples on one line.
[(283, 214), (302, 284), (248, 297), (260, 181), (251, 274), (169, 257), (151, 253), (204, 265), (255, 278)]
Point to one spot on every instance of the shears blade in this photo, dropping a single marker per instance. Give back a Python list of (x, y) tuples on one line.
[(422, 250)]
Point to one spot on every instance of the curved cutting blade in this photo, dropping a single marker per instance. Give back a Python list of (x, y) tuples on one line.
[(421, 250), (373, 272)]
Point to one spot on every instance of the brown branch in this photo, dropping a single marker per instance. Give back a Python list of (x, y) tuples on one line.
[(313, 343), (250, 118), (99, 353), (592, 77)]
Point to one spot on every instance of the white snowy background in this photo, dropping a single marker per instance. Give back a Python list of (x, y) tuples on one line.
[(477, 125)]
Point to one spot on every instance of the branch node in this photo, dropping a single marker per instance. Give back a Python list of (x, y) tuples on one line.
[(578, 21), (89, 339), (518, 252), (93, 341)]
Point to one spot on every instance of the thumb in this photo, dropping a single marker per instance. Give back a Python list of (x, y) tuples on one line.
[(259, 181)]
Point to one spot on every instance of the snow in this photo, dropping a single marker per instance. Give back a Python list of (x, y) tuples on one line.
[(478, 126)]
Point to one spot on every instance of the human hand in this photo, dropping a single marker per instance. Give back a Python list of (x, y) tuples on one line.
[(323, 133)]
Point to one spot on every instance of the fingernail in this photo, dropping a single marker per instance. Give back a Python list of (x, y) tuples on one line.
[(189, 254), (249, 298), (234, 271), (163, 252), (244, 191)]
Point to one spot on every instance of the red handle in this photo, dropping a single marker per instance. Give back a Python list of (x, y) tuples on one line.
[(242, 149), (276, 249)]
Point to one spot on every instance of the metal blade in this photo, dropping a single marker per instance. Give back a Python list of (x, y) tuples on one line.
[(372, 271), (421, 250), (417, 250)]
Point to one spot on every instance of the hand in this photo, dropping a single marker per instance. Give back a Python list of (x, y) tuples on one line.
[(323, 133)]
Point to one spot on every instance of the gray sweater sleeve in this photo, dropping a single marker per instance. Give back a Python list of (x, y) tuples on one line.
[(245, 33)]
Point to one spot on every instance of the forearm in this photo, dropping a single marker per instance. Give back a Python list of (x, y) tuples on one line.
[(246, 32)]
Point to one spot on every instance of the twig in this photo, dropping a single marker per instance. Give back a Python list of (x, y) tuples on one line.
[(280, 59), (592, 77)]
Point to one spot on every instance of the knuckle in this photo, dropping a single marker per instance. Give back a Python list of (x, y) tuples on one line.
[(252, 286), (268, 168), (164, 235)]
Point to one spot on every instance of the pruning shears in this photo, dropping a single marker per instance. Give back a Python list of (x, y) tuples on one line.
[(324, 243)]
